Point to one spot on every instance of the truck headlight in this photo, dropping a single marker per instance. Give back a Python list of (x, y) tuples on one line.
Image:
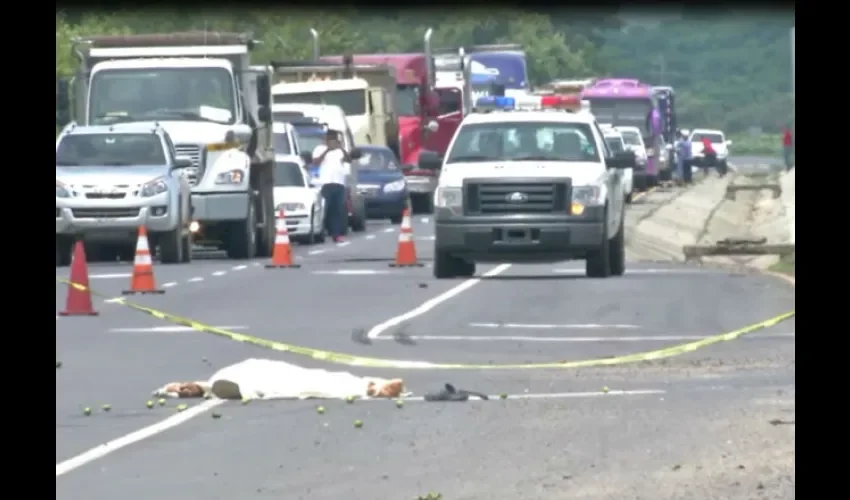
[(292, 207), (235, 176), (586, 196), (62, 191), (153, 188), (449, 197), (395, 186)]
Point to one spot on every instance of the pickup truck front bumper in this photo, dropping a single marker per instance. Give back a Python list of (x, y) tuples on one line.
[(519, 238), (114, 220)]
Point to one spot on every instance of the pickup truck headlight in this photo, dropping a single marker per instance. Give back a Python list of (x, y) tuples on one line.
[(395, 186), (586, 196), (62, 191), (235, 176), (449, 197), (153, 188), (292, 207)]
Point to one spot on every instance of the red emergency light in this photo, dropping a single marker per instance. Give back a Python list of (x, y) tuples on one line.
[(572, 102)]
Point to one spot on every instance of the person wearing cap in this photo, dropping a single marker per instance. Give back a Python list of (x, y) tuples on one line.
[(333, 162)]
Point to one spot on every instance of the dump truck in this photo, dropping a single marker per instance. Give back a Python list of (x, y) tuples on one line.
[(365, 92), (216, 107)]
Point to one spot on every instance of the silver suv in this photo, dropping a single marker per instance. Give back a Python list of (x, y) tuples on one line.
[(110, 180)]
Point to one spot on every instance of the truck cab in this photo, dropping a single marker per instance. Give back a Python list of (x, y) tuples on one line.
[(215, 106)]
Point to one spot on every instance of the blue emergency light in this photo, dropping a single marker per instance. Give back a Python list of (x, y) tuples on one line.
[(495, 102)]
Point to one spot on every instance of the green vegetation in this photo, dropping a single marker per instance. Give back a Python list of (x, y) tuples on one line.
[(763, 145), (786, 265), (730, 73)]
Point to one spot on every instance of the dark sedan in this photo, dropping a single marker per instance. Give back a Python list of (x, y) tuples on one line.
[(381, 181)]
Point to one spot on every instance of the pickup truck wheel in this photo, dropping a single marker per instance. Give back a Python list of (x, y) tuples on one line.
[(171, 246), (241, 242), (598, 262), (617, 250), (64, 250), (465, 268), (445, 266), (358, 223)]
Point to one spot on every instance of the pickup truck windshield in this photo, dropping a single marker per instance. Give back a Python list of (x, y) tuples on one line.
[(524, 141), (352, 102), (110, 150), (631, 138), (199, 94), (287, 173), (309, 137), (713, 138)]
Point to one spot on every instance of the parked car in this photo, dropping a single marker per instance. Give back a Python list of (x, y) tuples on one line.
[(382, 183), (302, 205)]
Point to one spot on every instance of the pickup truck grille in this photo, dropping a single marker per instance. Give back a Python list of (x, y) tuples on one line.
[(193, 152), (105, 196), (104, 213), (521, 197)]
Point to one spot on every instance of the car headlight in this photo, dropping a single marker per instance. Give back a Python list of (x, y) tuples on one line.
[(292, 207), (62, 191), (235, 176), (394, 186), (153, 188), (586, 196), (449, 197)]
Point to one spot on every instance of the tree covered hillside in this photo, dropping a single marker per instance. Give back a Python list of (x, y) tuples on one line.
[(735, 73)]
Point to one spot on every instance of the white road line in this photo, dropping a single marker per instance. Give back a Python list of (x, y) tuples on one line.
[(134, 437), (239, 268), (389, 230), (219, 273), (316, 252), (109, 276), (426, 238), (541, 326), (559, 395), (370, 236), (195, 279), (114, 300), (169, 284), (424, 220), (643, 338), (343, 244), (434, 302), (170, 329), (646, 271), (352, 272)]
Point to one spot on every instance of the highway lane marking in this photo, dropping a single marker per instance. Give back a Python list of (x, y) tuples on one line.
[(370, 236), (343, 244), (424, 220), (426, 306), (642, 338), (316, 252), (169, 284), (134, 437), (196, 279), (541, 326), (219, 273), (173, 421), (352, 272), (389, 230), (109, 276), (647, 271), (239, 268), (169, 329)]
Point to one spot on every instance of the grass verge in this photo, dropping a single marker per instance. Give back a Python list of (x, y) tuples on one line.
[(786, 265)]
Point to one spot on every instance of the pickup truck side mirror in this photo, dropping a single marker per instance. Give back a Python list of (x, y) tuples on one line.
[(623, 160), (181, 162), (429, 160), (356, 154), (264, 114)]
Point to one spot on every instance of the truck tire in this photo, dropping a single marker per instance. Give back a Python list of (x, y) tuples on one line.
[(171, 246), (241, 240), (64, 251), (598, 261), (266, 234), (465, 268), (358, 223), (617, 250), (422, 203), (445, 266)]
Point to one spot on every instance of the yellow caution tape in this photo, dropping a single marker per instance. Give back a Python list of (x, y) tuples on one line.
[(351, 360)]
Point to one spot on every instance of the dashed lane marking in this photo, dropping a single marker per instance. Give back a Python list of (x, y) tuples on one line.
[(219, 273), (169, 284), (195, 279), (541, 326), (352, 272)]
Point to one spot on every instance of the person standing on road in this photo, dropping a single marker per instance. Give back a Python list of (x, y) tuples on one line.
[(333, 162), (787, 144), (683, 158), (709, 155)]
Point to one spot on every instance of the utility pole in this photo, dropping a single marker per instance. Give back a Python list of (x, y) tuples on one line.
[(793, 62), (661, 61)]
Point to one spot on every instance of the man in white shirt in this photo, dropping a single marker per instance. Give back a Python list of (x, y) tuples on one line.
[(334, 164)]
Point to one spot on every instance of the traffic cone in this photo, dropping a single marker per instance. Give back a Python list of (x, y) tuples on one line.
[(406, 254), (78, 302), (142, 280), (282, 254)]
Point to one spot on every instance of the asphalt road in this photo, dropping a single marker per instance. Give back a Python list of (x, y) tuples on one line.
[(694, 426)]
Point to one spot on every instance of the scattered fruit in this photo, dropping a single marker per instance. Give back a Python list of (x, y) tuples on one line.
[(87, 411), (503, 395), (149, 404), (605, 389), (208, 396), (216, 415), (182, 407), (320, 410), (161, 401), (246, 401), (106, 407), (358, 423), (349, 399), (399, 403)]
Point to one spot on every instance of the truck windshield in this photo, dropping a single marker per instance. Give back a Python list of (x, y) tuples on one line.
[(110, 150), (287, 173), (631, 138), (203, 94), (623, 112), (526, 141), (406, 100), (310, 136), (352, 102)]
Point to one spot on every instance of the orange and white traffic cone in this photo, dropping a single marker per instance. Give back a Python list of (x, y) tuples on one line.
[(406, 254), (143, 280), (282, 254)]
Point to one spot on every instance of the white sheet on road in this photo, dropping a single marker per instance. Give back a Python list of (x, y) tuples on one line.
[(272, 379)]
